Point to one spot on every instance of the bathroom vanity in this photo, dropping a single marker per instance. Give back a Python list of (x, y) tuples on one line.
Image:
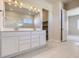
[(15, 39), (13, 43)]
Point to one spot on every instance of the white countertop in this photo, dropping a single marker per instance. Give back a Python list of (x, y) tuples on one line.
[(19, 30)]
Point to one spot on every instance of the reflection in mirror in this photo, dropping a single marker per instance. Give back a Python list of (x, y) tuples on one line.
[(16, 17), (19, 17)]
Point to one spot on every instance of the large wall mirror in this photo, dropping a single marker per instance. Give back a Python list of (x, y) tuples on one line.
[(19, 17)]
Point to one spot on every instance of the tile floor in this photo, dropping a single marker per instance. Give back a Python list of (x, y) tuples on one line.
[(64, 50)]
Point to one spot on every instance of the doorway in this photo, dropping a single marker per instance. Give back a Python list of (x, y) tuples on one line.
[(64, 24), (45, 21), (73, 25)]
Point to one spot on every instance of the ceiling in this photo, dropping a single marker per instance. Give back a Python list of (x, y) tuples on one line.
[(65, 1)]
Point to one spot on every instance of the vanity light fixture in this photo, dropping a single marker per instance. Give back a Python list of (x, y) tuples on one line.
[(19, 4), (34, 9), (15, 3)]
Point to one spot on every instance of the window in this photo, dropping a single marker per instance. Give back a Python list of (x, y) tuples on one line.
[(27, 21)]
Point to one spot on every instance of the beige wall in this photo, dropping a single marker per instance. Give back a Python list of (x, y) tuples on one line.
[(72, 21), (57, 6), (54, 16), (43, 4), (71, 5)]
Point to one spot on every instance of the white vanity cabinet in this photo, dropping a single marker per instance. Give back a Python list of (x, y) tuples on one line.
[(12, 43)]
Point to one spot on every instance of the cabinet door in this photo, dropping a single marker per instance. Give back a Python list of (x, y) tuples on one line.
[(24, 41), (42, 38), (35, 39), (24, 46), (9, 46)]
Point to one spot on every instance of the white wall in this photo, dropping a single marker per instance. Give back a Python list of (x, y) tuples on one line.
[(73, 12), (1, 14), (73, 25)]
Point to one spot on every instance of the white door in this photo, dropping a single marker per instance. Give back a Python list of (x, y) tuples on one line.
[(9, 46), (64, 25)]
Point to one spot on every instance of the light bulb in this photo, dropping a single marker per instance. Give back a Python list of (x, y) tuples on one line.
[(16, 2), (31, 7), (21, 4), (9, 3), (35, 9), (9, 0), (38, 10)]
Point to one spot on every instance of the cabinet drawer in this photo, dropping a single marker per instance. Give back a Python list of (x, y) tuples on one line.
[(24, 47), (8, 34), (35, 33), (24, 42), (42, 40), (34, 39), (43, 33), (43, 37), (34, 44), (24, 39), (21, 34), (42, 43), (28, 33)]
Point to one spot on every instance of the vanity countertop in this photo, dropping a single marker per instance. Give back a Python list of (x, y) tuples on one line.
[(20, 30)]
